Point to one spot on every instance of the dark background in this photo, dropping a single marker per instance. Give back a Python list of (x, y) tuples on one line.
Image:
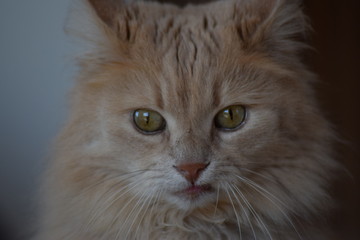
[(336, 38)]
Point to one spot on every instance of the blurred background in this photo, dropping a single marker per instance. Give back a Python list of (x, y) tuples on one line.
[(36, 71), (35, 74)]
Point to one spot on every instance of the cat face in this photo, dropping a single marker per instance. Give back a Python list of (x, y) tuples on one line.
[(188, 107), (206, 106)]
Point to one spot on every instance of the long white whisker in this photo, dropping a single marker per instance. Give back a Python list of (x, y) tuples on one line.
[(253, 211), (149, 201), (217, 199), (263, 190), (259, 174), (94, 212), (110, 200), (154, 200), (268, 196), (136, 195), (243, 209), (144, 201), (119, 178), (236, 214)]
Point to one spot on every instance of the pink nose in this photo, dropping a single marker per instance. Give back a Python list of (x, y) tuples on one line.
[(191, 171)]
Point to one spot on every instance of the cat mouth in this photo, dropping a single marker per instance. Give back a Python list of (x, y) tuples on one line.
[(194, 191)]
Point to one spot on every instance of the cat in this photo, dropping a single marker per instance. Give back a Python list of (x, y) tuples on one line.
[(195, 122)]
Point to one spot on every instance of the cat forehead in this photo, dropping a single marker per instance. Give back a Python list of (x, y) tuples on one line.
[(181, 41), (215, 12), (188, 56), (149, 29), (208, 90), (165, 23)]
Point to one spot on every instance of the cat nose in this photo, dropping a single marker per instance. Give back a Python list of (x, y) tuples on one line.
[(191, 171)]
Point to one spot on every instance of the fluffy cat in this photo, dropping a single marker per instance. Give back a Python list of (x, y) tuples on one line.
[(190, 123)]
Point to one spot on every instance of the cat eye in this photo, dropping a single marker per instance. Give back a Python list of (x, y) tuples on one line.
[(148, 121), (230, 117)]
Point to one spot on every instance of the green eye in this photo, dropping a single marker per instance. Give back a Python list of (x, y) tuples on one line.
[(148, 121), (230, 117)]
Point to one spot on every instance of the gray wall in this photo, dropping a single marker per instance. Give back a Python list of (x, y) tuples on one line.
[(35, 74)]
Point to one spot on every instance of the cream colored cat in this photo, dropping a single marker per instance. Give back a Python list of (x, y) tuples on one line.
[(190, 123)]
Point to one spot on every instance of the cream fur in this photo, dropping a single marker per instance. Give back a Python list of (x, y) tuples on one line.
[(269, 178)]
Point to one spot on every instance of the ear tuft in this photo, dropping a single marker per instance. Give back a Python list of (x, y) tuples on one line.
[(106, 10), (275, 26)]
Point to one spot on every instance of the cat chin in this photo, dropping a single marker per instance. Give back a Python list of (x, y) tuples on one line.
[(187, 202)]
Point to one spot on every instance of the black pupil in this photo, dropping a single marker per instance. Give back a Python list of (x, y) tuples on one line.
[(230, 112)]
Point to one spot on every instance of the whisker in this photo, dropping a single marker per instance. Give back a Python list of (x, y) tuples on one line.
[(120, 177), (217, 200), (259, 174), (263, 190), (255, 214), (94, 211), (268, 196), (136, 195), (148, 203), (243, 209), (110, 200), (236, 214), (152, 203), (156, 202), (142, 199), (124, 206)]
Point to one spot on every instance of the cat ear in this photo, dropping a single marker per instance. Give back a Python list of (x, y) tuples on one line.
[(106, 10), (104, 27), (278, 27)]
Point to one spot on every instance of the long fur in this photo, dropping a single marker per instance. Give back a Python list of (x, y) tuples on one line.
[(269, 177)]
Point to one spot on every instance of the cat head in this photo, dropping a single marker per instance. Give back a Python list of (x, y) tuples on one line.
[(199, 106)]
